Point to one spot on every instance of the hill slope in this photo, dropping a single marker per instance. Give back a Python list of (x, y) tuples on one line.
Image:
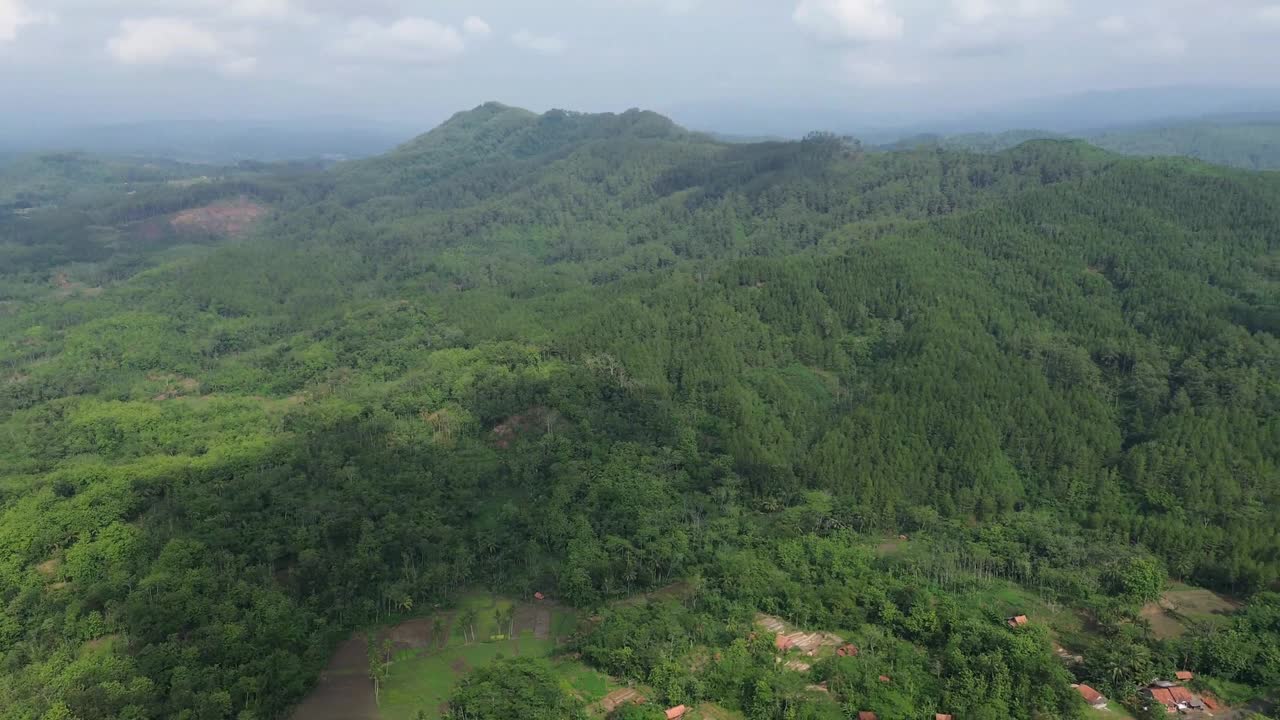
[(595, 354)]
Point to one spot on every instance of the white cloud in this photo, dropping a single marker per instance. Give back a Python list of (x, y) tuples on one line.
[(476, 26), (239, 66), (858, 21), (979, 11), (1166, 43), (671, 7), (408, 40), (1150, 34), (878, 73), (544, 44), (274, 9), (167, 41), (158, 40), (1114, 25), (15, 15)]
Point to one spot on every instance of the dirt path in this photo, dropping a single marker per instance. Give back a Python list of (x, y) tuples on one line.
[(344, 690)]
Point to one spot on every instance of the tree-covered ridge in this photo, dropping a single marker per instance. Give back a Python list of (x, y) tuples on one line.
[(597, 354), (1248, 143)]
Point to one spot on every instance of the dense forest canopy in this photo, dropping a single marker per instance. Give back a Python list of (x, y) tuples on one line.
[(596, 354)]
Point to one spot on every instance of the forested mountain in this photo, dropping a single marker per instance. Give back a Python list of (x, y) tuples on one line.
[(1252, 143), (596, 354)]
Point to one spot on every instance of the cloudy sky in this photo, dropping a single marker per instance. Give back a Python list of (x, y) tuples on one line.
[(412, 62)]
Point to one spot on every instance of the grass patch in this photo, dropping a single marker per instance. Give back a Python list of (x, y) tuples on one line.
[(1232, 693), (422, 680), (589, 684), (1113, 712), (425, 682)]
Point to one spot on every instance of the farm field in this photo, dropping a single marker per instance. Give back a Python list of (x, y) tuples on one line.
[(430, 654)]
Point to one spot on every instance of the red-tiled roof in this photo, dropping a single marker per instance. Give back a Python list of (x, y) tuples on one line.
[(942, 716), (1018, 620), (782, 642), (1181, 694), (1090, 695), (1163, 696), (867, 715), (1185, 675), (847, 651), (885, 678), (677, 712)]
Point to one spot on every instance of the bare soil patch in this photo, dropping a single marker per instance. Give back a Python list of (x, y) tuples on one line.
[(344, 690), (414, 634), (807, 643), (50, 567), (1177, 608), (618, 698), (226, 219)]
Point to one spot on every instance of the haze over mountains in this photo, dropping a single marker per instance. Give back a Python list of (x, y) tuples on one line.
[(230, 139)]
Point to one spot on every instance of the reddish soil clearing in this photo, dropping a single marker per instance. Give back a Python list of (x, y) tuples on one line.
[(807, 643), (344, 690), (227, 219)]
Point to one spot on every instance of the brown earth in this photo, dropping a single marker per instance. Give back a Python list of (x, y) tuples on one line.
[(226, 219), (344, 690), (618, 698), (1176, 609), (807, 643), (418, 634)]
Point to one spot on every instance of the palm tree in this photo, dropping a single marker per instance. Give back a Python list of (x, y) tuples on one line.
[(468, 620), (437, 631)]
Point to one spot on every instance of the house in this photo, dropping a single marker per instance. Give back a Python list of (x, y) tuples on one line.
[(1162, 696), (1017, 621), (885, 679), (1185, 675), (847, 651), (1091, 696), (677, 712), (942, 716), (867, 715), (783, 643), (1181, 696)]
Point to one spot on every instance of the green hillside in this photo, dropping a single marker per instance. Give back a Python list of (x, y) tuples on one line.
[(594, 355), (1250, 145)]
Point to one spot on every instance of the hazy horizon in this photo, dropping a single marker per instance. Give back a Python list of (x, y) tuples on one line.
[(711, 64)]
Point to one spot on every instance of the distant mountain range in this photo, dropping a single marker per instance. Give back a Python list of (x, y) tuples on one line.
[(1250, 141), (216, 141)]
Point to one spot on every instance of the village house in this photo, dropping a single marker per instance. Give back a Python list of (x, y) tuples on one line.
[(1185, 675), (943, 716), (867, 715), (677, 712), (1173, 698), (1094, 698), (1017, 621), (783, 643)]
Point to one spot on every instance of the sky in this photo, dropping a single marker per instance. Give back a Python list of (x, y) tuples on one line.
[(412, 63)]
